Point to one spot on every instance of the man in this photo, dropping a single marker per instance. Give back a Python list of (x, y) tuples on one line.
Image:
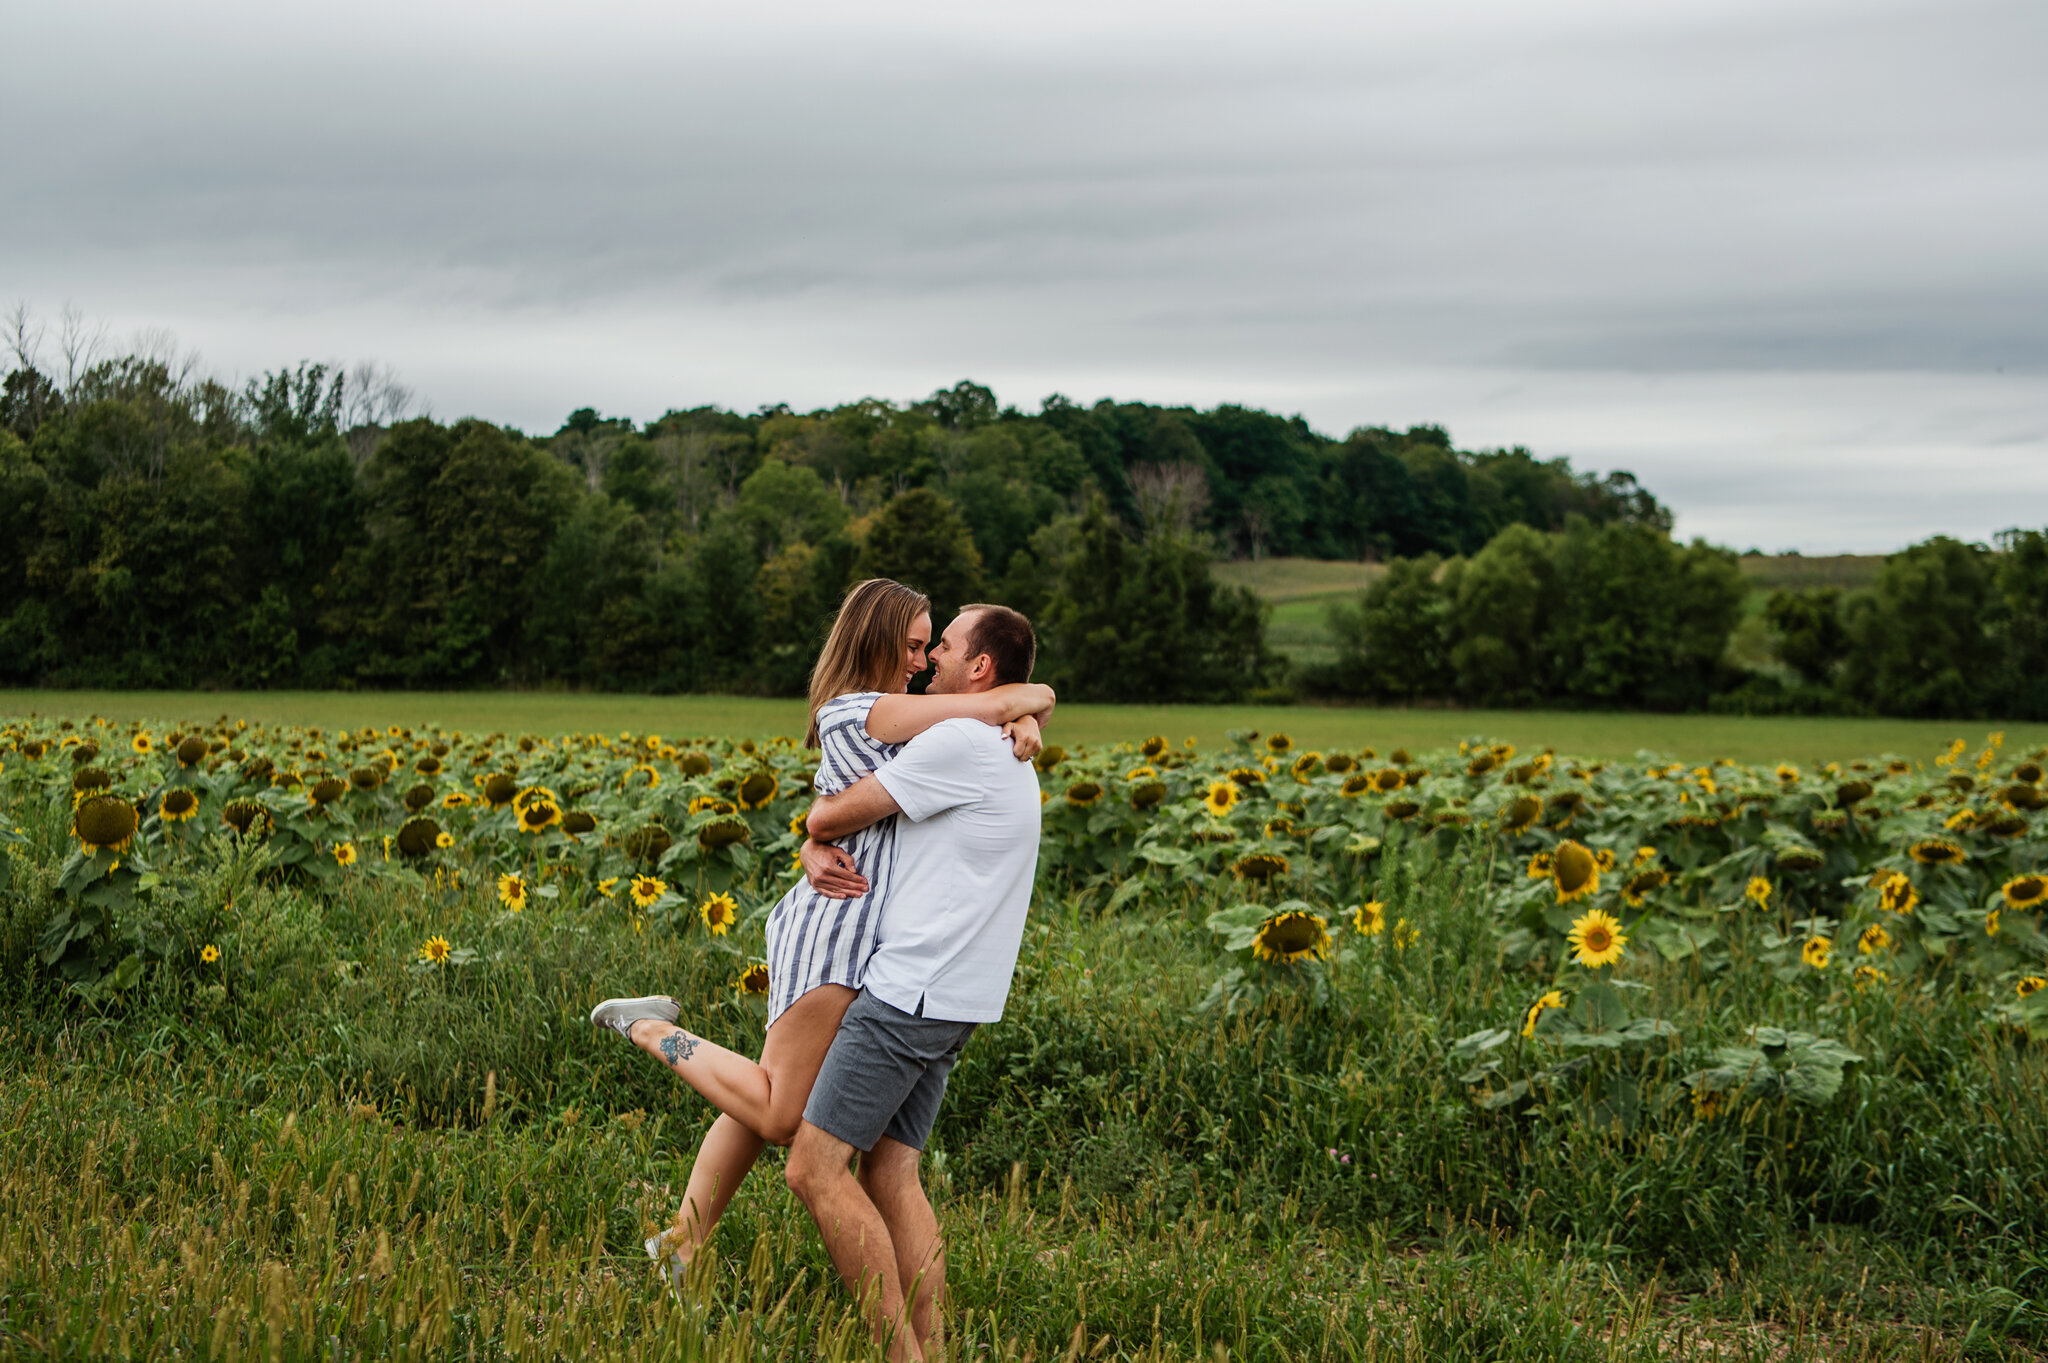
[(966, 854)]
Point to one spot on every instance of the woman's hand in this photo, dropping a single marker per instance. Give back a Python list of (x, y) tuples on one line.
[(1025, 740), (831, 872)]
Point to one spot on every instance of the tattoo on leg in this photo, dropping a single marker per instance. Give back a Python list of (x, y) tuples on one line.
[(678, 1046)]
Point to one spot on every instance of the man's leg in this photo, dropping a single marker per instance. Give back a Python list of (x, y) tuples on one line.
[(889, 1174), (855, 1235)]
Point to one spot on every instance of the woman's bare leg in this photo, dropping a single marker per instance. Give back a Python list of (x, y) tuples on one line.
[(728, 1152), (771, 1095), (767, 1098)]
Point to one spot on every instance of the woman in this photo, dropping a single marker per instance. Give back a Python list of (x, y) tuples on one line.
[(818, 947)]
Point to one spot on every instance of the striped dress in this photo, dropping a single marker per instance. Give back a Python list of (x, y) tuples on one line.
[(813, 940)]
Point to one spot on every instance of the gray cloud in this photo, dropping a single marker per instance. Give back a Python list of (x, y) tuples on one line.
[(1675, 238)]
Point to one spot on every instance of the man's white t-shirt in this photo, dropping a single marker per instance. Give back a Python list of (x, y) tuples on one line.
[(966, 852)]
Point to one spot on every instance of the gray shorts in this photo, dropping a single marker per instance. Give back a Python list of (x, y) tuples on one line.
[(885, 1075)]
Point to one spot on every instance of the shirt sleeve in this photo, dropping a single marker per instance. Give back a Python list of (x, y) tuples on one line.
[(936, 771), (842, 732)]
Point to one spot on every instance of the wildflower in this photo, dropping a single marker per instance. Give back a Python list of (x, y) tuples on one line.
[(1867, 975), (1816, 952), (1596, 939), (2029, 986), (1708, 1104), (1539, 866), (1551, 999), (647, 889), (1991, 923), (1873, 939), (209, 953), (434, 950), (1083, 794), (512, 891), (752, 982), (105, 823), (1405, 934), (1758, 892), (1645, 854), (1221, 798), (444, 840), (177, 806), (758, 789), (539, 815), (1517, 815), (608, 886), (719, 913), (344, 854), (1636, 889), (1292, 936), (1369, 919)]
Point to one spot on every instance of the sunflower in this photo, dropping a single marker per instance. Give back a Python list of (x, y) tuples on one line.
[(1144, 773), (577, 822), (752, 982), (344, 854), (177, 806), (1517, 815), (642, 769), (1292, 936), (1872, 940), (1356, 784), (105, 823), (1221, 798), (1260, 866), (2029, 986), (1147, 794), (418, 798), (539, 815), (1605, 859), (1404, 935), (719, 913), (1867, 975), (209, 953), (1937, 852), (1337, 763), (648, 842), (456, 799), (1403, 809), (500, 789), (1305, 766), (1991, 923), (1787, 773), (1370, 918), (326, 791), (700, 803), (1596, 939), (1636, 889), (647, 889), (608, 886), (434, 950), (1896, 894), (1050, 756), (1539, 866), (1248, 776), (190, 750), (695, 763), (1279, 743), (1281, 826), (2026, 892), (1816, 952), (758, 789), (1574, 871), (1083, 794), (724, 833), (512, 891), (444, 840), (1553, 998), (142, 742), (1758, 892), (1708, 1104), (245, 816), (1153, 746), (416, 838)]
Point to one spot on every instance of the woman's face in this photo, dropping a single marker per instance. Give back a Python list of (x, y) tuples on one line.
[(914, 660)]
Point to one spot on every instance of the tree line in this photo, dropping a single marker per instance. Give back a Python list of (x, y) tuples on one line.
[(1620, 616), (163, 529)]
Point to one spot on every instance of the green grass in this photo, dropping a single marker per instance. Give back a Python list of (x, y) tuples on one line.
[(1796, 572), (1298, 579), (1692, 737)]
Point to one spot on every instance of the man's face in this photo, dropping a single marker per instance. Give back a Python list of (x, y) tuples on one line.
[(953, 672)]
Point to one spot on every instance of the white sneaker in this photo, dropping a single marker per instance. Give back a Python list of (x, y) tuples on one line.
[(621, 1014), (670, 1264)]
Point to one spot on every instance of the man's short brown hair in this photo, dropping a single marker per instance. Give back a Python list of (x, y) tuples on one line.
[(1006, 636)]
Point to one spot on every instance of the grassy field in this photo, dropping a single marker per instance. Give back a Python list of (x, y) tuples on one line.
[(1692, 737), (314, 1144), (1301, 591)]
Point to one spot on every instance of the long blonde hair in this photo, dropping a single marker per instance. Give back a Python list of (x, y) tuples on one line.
[(864, 651)]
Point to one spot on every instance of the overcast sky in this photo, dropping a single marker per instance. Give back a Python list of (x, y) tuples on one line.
[(1787, 261)]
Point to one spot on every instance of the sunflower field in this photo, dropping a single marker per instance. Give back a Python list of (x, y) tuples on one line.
[(1321, 1028)]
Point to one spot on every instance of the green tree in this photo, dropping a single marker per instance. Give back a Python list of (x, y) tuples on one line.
[(1392, 645), (920, 540), (1918, 639), (1810, 637)]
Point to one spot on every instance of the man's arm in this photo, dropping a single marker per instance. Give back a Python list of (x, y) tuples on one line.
[(864, 802)]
